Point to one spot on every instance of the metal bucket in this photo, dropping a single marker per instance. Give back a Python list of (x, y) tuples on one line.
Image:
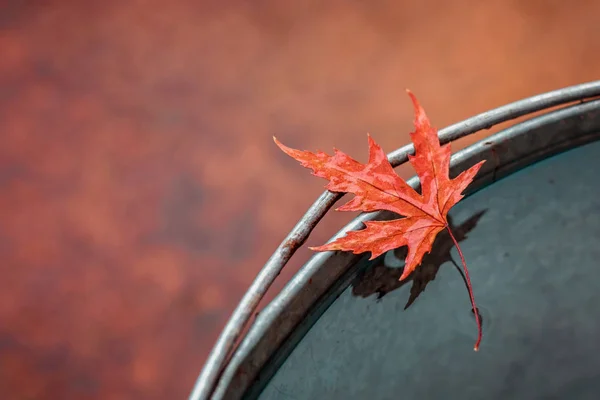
[(530, 230)]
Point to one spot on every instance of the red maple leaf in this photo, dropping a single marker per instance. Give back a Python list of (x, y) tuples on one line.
[(376, 186)]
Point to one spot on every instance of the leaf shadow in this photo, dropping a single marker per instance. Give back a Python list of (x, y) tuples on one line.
[(381, 279)]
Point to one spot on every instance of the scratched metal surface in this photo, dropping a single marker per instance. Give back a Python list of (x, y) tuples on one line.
[(531, 242)]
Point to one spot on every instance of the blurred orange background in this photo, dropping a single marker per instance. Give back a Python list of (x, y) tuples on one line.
[(141, 192)]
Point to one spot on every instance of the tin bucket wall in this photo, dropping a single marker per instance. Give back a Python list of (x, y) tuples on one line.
[(530, 232)]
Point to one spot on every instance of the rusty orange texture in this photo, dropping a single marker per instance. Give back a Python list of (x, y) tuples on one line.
[(140, 190)]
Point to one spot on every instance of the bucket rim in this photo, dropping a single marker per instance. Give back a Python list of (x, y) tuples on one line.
[(210, 378)]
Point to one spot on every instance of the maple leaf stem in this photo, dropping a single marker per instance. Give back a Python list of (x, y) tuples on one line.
[(469, 287)]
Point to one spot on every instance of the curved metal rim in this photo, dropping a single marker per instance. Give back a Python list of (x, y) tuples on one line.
[(218, 357), (309, 293)]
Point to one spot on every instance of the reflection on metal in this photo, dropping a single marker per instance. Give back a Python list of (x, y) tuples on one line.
[(507, 151)]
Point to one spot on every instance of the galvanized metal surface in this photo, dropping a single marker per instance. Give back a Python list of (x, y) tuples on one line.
[(531, 244), (339, 262), (506, 151)]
